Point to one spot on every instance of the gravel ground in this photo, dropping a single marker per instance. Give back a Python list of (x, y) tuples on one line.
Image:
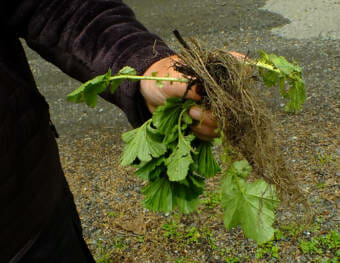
[(108, 197)]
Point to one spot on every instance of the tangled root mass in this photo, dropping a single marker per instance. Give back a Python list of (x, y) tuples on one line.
[(228, 89)]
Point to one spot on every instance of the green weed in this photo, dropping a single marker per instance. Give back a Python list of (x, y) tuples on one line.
[(231, 259), (325, 245), (213, 199), (119, 243), (293, 229), (112, 214), (192, 235), (268, 249), (171, 230), (271, 248), (101, 256), (321, 160), (209, 236), (310, 247)]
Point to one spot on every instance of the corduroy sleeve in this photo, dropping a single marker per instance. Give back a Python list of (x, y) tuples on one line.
[(85, 38)]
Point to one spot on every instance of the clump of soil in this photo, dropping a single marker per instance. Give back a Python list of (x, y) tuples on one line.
[(228, 88)]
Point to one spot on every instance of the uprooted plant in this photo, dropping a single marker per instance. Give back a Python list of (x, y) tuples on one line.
[(175, 163)]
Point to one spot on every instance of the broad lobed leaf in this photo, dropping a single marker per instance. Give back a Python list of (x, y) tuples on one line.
[(143, 143), (250, 205), (180, 159), (89, 90)]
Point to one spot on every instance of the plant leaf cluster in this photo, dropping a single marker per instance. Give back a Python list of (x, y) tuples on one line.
[(277, 71), (175, 164), (170, 158)]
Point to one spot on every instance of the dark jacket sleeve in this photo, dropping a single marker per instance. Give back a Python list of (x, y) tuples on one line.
[(85, 38)]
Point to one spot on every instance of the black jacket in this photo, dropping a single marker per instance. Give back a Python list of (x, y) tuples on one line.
[(83, 38)]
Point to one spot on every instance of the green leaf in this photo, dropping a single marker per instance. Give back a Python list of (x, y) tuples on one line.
[(287, 72), (264, 56), (143, 143), (241, 168), (270, 78), (171, 137), (279, 62), (130, 135), (127, 71), (187, 119), (77, 95), (218, 141), (115, 85), (164, 195), (180, 159), (160, 83), (159, 195), (283, 65), (151, 170), (89, 90), (206, 164), (250, 205), (166, 117), (297, 96), (186, 196)]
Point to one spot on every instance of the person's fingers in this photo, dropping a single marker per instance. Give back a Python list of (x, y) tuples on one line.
[(203, 137), (177, 89), (151, 107), (238, 55), (204, 129), (197, 113), (204, 132)]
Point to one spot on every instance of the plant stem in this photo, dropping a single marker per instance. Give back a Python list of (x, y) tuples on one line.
[(149, 78), (236, 178), (183, 80), (261, 65), (180, 134), (266, 66)]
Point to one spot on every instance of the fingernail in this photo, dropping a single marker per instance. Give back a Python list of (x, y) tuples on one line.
[(195, 113)]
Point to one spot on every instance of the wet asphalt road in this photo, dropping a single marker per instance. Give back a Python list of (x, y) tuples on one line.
[(309, 32)]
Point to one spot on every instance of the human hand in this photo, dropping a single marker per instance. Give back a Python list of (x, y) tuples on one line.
[(155, 96)]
